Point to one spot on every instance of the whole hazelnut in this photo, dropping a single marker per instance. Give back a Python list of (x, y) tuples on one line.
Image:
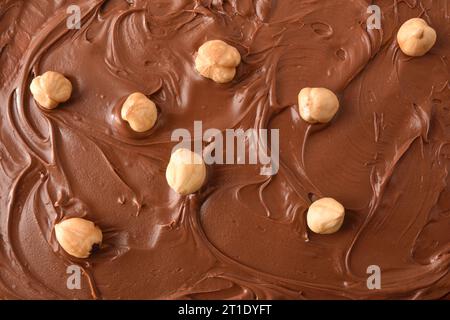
[(77, 236), (317, 104), (139, 111), (217, 60), (415, 37), (186, 171), (325, 216), (51, 89)]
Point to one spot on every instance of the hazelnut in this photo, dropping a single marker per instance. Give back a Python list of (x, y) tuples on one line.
[(415, 37), (317, 104), (50, 89), (186, 171), (325, 216), (77, 236), (217, 60), (139, 111)]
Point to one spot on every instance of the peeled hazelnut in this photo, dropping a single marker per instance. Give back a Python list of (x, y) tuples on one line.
[(317, 104), (325, 216), (415, 37), (186, 171), (140, 112), (51, 89), (77, 236), (217, 60)]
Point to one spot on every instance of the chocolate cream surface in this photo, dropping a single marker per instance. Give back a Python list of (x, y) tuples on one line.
[(385, 156)]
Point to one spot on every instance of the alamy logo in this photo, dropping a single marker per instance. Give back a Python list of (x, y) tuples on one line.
[(74, 19), (74, 279), (374, 21), (241, 147), (374, 280)]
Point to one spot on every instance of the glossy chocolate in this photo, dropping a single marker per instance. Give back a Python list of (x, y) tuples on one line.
[(385, 156)]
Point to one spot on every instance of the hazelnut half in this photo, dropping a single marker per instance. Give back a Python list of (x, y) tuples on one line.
[(77, 236), (217, 60), (51, 89), (317, 104), (139, 111), (325, 216), (415, 37), (186, 171)]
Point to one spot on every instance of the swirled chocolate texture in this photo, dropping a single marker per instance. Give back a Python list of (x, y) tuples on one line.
[(385, 156)]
